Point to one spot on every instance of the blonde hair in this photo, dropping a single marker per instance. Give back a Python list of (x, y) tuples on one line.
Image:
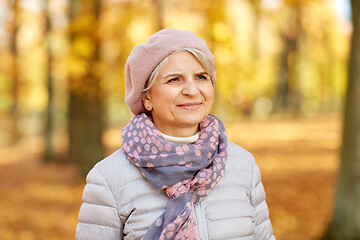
[(205, 61)]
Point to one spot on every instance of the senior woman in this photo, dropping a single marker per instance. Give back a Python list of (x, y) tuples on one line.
[(176, 175)]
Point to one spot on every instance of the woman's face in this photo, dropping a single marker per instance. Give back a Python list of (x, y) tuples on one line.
[(181, 96)]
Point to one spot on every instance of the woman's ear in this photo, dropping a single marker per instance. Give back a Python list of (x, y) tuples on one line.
[(147, 102)]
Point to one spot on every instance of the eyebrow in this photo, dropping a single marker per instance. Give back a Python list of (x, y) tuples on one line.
[(173, 75), (180, 74), (201, 73)]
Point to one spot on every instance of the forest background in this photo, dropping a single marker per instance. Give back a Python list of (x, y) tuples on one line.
[(282, 72)]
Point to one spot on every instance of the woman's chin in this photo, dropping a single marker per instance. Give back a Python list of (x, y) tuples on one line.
[(191, 119)]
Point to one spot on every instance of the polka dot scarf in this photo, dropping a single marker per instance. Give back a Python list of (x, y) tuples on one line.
[(187, 172)]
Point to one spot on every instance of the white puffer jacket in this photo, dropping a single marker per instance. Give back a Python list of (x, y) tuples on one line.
[(119, 203)]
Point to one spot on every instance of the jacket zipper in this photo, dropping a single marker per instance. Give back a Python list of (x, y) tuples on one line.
[(201, 221)]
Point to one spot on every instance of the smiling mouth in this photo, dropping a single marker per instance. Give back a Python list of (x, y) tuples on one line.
[(190, 106)]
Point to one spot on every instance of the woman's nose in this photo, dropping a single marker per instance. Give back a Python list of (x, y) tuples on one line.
[(190, 88)]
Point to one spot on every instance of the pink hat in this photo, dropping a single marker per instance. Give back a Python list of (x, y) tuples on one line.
[(145, 57)]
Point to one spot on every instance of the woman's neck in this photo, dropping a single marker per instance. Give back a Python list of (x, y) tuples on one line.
[(182, 140), (177, 131)]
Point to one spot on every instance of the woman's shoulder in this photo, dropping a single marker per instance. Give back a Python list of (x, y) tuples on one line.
[(112, 162), (235, 150), (116, 167), (239, 158)]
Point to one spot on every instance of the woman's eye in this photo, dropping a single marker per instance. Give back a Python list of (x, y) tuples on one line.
[(173, 80), (203, 77)]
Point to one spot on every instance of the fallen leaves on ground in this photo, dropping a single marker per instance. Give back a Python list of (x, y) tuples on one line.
[(298, 159)]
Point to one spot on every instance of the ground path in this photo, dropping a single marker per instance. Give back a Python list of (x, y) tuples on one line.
[(298, 159)]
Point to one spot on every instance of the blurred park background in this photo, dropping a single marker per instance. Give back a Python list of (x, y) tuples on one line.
[(282, 73)]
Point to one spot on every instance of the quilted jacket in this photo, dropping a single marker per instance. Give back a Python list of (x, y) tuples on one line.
[(119, 203)]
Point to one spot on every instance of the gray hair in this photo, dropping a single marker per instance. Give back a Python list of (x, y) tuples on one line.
[(205, 61)]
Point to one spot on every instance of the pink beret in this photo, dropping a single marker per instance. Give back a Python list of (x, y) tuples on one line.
[(145, 57)]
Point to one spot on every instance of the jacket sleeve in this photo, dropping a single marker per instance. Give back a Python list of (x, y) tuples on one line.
[(98, 217), (263, 227)]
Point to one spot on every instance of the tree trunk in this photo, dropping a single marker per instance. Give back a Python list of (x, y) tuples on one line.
[(282, 88), (85, 105), (215, 13), (345, 224), (14, 112), (49, 154), (255, 33), (159, 9), (287, 94)]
